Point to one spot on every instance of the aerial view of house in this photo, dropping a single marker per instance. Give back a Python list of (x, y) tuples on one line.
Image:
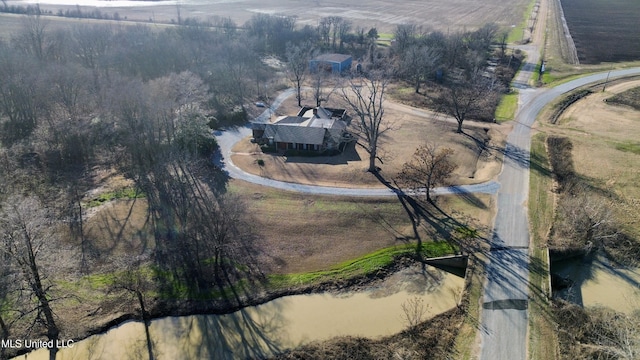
[(315, 129)]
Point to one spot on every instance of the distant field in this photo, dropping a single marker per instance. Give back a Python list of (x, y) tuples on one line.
[(604, 30), (10, 23), (385, 15)]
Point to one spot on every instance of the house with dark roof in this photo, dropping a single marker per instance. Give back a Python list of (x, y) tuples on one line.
[(333, 63), (312, 129)]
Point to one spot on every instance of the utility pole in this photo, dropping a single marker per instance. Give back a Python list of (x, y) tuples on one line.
[(607, 80)]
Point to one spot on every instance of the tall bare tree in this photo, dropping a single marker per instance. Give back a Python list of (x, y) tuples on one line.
[(32, 39), (365, 98), (323, 85), (418, 62), (405, 35), (343, 30), (429, 167), (138, 285), (298, 57), (463, 99), (27, 235)]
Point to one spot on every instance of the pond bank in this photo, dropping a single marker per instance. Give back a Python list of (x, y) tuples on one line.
[(594, 281), (281, 324)]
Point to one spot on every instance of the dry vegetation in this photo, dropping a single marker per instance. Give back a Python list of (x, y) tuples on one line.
[(604, 137), (597, 333), (431, 339), (299, 244), (590, 151)]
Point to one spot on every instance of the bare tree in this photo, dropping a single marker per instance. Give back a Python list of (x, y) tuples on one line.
[(502, 42), (298, 57), (323, 86), (324, 28), (335, 21), (27, 236), (414, 310), (418, 63), (33, 38), (430, 167), (365, 98), (343, 30), (22, 98), (585, 221), (5, 285), (236, 65), (137, 284), (464, 98), (90, 46), (404, 35)]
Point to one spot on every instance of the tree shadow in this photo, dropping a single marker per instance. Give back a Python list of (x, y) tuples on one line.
[(430, 219), (468, 197), (525, 159), (243, 334)]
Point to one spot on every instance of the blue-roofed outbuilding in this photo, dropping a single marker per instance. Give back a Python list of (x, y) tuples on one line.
[(334, 63)]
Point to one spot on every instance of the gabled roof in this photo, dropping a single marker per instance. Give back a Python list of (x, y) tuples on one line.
[(295, 134)]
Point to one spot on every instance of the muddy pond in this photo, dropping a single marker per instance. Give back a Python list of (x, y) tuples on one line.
[(270, 328), (594, 281)]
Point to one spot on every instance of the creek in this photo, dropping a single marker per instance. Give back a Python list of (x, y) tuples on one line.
[(284, 323)]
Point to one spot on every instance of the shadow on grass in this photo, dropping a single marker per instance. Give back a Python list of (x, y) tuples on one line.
[(517, 156), (430, 219)]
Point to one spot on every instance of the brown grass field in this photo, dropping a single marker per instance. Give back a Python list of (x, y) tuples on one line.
[(302, 233), (297, 232), (606, 147), (384, 15)]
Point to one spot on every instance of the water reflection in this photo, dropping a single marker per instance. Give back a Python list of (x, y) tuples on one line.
[(284, 323), (594, 281)]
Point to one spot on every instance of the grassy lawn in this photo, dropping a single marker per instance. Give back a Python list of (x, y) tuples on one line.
[(506, 110), (542, 335), (302, 233)]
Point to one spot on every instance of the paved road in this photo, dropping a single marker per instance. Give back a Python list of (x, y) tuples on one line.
[(504, 322)]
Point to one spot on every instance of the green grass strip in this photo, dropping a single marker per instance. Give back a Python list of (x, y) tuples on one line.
[(176, 289), (124, 193), (364, 265), (628, 147), (507, 107)]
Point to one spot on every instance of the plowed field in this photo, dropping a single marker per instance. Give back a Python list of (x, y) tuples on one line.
[(604, 30), (383, 14)]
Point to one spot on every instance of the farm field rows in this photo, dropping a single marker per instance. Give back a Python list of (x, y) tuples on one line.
[(385, 15), (604, 31)]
